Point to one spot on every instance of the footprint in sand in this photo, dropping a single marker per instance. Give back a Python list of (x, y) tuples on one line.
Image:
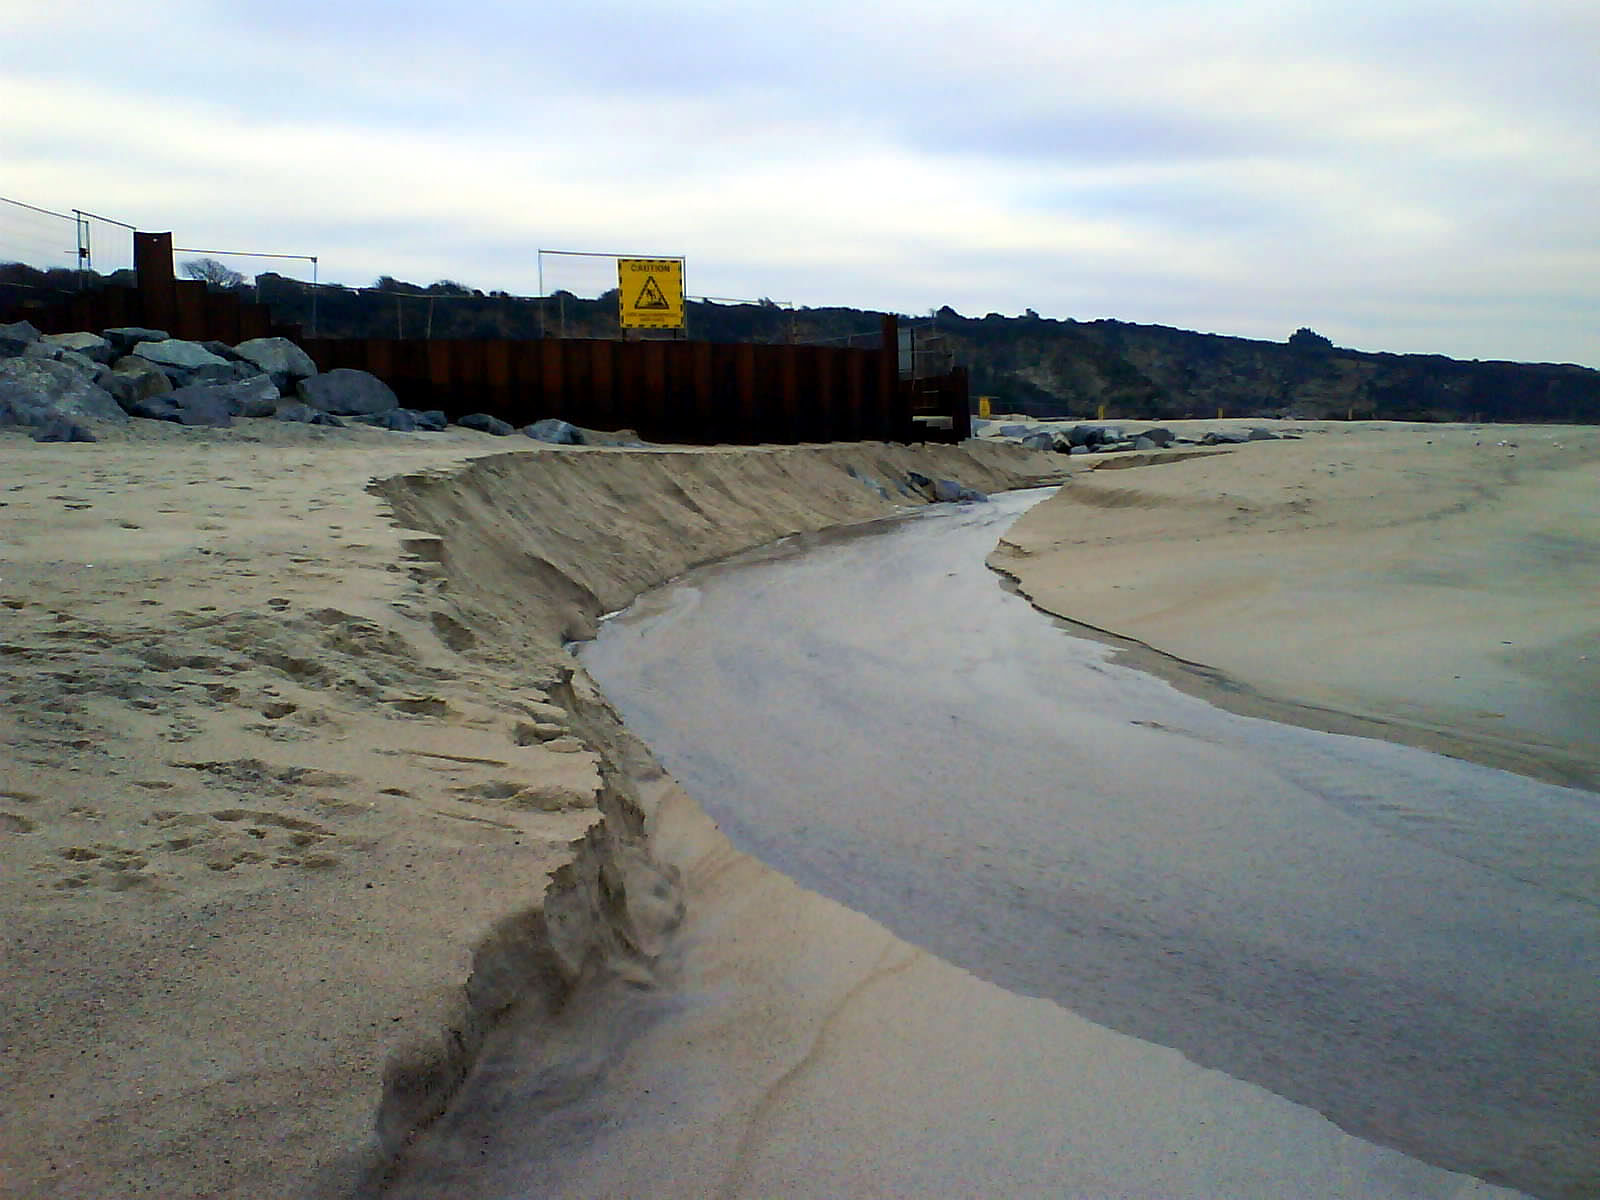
[(230, 838), (114, 867)]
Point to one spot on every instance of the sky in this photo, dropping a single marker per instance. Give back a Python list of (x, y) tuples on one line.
[(1412, 177)]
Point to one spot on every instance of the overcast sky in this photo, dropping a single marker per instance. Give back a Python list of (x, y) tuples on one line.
[(1398, 176)]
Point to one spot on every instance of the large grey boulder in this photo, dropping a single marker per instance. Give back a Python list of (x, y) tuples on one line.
[(133, 379), (400, 420), (1161, 436), (17, 337), (82, 361), (45, 388), (256, 396), (347, 393), (175, 376), (152, 408), (485, 423), (1040, 439), (228, 372), (556, 432), (91, 345), (408, 420), (1093, 435), (187, 406), (253, 397), (56, 428), (1225, 437), (949, 491), (278, 357), (222, 350), (175, 352), (306, 415), (213, 411), (124, 338), (431, 420)]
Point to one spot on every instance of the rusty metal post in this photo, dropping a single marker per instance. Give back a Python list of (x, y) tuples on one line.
[(152, 265), (881, 421), (960, 404)]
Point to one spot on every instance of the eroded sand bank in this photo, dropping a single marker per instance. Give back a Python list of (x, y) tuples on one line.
[(275, 785)]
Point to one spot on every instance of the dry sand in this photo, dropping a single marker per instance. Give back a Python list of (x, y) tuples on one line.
[(1429, 584), (275, 784)]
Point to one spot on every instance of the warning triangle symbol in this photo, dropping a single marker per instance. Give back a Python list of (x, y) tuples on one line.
[(651, 296)]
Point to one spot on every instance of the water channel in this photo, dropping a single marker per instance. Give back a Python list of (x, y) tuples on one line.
[(1407, 943)]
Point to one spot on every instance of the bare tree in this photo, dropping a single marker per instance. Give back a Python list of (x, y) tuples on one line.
[(212, 273)]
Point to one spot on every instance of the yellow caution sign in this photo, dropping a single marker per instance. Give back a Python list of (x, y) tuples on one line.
[(650, 293)]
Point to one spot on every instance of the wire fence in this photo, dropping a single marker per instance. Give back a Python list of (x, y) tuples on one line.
[(78, 243), (49, 254), (105, 244), (245, 273), (38, 238)]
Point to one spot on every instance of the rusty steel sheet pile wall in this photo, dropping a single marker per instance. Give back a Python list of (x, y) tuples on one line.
[(676, 391), (665, 390)]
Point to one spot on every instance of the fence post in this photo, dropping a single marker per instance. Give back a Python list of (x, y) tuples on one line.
[(960, 404), (152, 264), (881, 422)]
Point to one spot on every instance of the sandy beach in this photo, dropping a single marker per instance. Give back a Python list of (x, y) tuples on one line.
[(306, 813), (282, 798), (1429, 584)]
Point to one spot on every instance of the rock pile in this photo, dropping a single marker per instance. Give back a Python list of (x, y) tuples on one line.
[(1105, 439), (62, 385)]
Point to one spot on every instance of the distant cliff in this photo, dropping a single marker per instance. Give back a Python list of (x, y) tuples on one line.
[(1028, 364), (1071, 368)]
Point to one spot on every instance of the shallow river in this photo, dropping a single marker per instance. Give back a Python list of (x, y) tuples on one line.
[(1407, 943)]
